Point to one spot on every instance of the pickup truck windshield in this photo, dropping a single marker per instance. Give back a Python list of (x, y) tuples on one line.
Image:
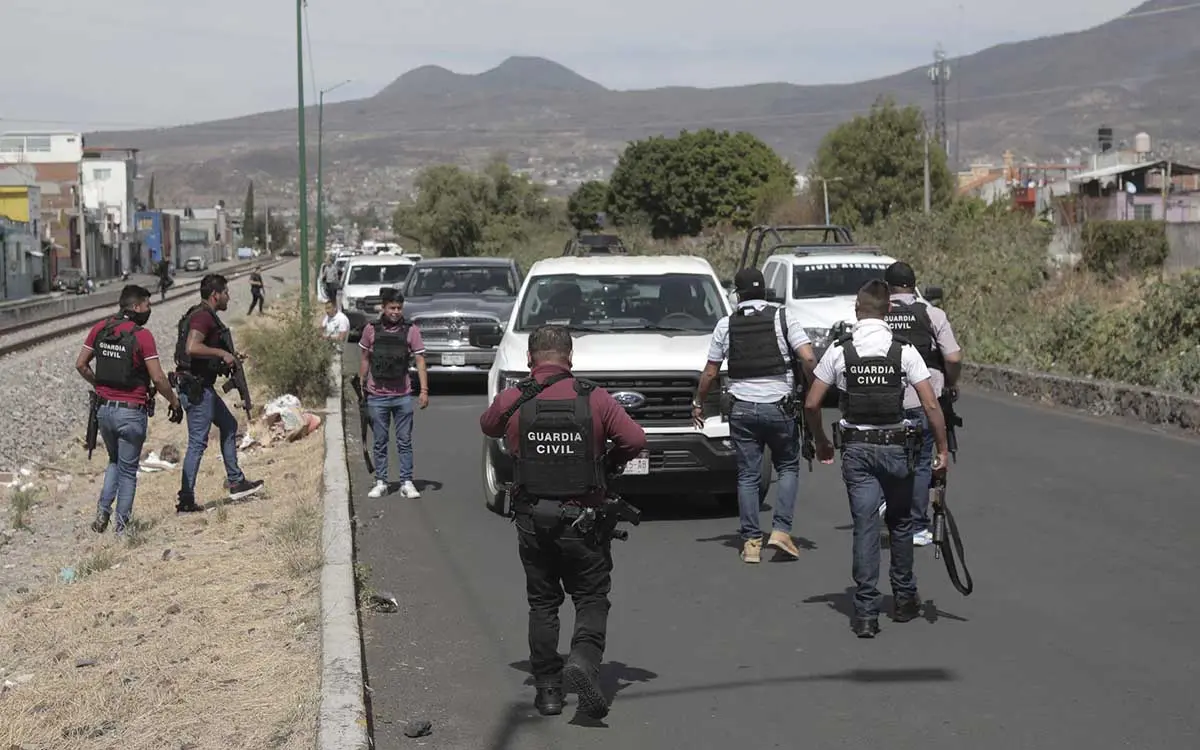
[(833, 279), (373, 274), (677, 302), (486, 280)]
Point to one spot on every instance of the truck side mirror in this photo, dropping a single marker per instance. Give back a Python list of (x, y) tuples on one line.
[(773, 296), (935, 295), (485, 335)]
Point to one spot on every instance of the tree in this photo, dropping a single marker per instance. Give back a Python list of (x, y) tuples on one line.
[(460, 213), (586, 204), (250, 235), (279, 232), (679, 186), (878, 161)]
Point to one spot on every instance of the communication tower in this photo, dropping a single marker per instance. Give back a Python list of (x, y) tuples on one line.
[(939, 75)]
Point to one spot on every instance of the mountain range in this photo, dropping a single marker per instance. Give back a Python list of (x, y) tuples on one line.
[(1043, 98)]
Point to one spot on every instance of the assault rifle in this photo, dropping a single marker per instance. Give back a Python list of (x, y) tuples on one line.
[(364, 420), (946, 539), (953, 421), (93, 423), (237, 373), (808, 449)]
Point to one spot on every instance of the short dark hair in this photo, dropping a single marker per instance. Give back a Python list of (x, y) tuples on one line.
[(388, 294), (874, 299), (550, 342), (213, 283), (133, 295)]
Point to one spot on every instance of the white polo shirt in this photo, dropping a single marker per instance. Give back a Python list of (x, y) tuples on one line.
[(765, 390), (871, 338)]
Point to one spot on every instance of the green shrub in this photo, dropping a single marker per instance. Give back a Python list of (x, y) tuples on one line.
[(1117, 249), (288, 355)]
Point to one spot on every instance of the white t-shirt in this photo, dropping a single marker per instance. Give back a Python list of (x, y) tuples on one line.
[(871, 338), (336, 324), (764, 390)]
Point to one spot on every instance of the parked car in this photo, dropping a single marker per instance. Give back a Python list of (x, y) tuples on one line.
[(70, 280), (196, 263), (446, 296)]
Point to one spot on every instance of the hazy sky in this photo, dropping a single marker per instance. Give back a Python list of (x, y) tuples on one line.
[(144, 63)]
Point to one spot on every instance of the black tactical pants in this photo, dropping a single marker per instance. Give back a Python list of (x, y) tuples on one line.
[(556, 558)]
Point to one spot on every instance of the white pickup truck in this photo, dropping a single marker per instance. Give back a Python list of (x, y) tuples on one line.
[(642, 327)]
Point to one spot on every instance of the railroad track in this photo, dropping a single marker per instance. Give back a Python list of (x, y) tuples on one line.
[(231, 273)]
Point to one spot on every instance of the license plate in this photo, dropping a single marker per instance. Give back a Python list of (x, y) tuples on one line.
[(454, 360), (638, 466)]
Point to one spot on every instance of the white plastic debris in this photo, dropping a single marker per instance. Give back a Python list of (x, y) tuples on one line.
[(282, 404)]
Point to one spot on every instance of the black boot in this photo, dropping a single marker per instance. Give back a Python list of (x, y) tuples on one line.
[(583, 678), (549, 700), (865, 627), (907, 609), (101, 522)]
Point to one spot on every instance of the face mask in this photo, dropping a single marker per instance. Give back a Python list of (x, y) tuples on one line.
[(140, 318)]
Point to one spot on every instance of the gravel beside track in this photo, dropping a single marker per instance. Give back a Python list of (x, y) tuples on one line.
[(45, 399)]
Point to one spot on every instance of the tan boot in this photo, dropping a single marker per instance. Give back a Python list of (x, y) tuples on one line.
[(782, 541), (752, 550)]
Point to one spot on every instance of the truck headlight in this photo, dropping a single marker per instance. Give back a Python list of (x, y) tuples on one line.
[(818, 336)]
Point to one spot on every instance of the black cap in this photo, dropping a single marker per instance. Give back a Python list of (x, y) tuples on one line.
[(749, 280), (390, 294), (900, 274)]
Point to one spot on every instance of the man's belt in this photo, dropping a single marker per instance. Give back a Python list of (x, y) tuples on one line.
[(123, 404), (882, 436)]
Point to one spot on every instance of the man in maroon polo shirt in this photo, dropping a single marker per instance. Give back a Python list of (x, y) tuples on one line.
[(126, 363), (556, 428)]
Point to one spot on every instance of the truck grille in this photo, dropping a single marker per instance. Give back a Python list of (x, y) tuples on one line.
[(441, 329), (370, 304), (668, 395)]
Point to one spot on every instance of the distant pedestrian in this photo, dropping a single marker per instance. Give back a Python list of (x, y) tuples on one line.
[(335, 325), (257, 291), (126, 363), (390, 346), (330, 277)]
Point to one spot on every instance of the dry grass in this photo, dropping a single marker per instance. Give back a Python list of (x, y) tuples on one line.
[(197, 631)]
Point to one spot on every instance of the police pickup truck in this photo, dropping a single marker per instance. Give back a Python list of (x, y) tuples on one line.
[(641, 327)]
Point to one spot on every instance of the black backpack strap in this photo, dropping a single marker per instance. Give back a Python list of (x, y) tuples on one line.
[(530, 388)]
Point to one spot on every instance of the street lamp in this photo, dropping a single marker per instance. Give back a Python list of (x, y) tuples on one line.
[(320, 168), (302, 153), (825, 189)]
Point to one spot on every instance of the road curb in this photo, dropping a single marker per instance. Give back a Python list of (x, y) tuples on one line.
[(343, 713), (1100, 397)]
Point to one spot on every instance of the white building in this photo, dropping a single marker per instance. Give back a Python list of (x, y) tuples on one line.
[(108, 175), (46, 147)]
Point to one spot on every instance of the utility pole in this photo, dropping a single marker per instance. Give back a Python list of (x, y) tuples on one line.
[(82, 224), (939, 75), (305, 305), (928, 190), (267, 229), (320, 169), (825, 189)]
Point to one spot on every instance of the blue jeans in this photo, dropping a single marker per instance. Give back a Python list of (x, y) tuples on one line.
[(201, 416), (924, 475), (873, 474), (395, 412), (751, 426), (124, 433)]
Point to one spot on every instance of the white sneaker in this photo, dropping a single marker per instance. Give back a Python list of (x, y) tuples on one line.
[(923, 538), (379, 490), (409, 490)]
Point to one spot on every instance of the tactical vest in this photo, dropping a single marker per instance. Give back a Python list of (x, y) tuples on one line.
[(556, 454), (390, 354), (874, 393), (115, 357), (753, 345), (912, 322), (205, 368)]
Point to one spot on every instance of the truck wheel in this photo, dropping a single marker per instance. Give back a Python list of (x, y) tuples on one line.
[(493, 494)]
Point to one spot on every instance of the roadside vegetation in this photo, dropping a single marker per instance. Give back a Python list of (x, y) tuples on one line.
[(195, 631), (1112, 315)]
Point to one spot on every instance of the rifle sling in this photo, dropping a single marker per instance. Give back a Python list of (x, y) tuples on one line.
[(953, 547)]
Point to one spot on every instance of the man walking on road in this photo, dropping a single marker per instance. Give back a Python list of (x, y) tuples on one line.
[(928, 329), (879, 449), (257, 291), (126, 360), (388, 346), (557, 427), (329, 276), (762, 346), (202, 354)]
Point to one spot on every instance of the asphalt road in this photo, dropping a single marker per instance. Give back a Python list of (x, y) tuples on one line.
[(1081, 535)]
